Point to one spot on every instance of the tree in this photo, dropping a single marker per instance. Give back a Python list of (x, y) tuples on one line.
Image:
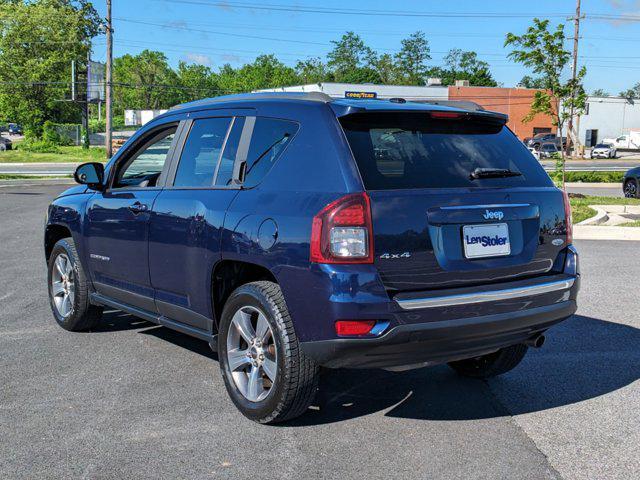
[(352, 61), (266, 71), (412, 58), (543, 51), (461, 65), (38, 41), (631, 93), (531, 82), (144, 81), (598, 92), (313, 70), (388, 71), (195, 81)]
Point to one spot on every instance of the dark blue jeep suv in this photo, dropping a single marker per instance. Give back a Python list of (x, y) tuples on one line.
[(293, 232)]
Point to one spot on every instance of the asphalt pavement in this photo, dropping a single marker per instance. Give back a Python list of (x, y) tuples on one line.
[(133, 400)]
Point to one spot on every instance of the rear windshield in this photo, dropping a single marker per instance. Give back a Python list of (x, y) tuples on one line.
[(409, 150)]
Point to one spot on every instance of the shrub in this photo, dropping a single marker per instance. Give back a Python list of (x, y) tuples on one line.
[(588, 177), (38, 146)]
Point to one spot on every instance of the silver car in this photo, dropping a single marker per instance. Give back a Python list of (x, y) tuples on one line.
[(603, 150)]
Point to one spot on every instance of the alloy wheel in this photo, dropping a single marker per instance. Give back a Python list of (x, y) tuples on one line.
[(630, 189), (251, 353), (63, 285)]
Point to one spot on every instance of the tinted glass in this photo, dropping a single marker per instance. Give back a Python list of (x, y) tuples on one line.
[(147, 163), (269, 139), (399, 151), (225, 169), (201, 152)]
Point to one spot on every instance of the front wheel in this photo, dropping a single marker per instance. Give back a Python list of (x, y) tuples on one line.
[(492, 364), (69, 289), (266, 374)]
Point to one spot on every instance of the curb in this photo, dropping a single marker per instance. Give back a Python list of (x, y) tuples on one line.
[(594, 232), (607, 185), (599, 218)]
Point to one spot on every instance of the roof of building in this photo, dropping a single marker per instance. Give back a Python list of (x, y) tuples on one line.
[(341, 106)]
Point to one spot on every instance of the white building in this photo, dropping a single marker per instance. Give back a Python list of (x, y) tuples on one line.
[(369, 91), (608, 117)]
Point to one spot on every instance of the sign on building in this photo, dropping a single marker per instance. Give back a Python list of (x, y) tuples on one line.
[(361, 95)]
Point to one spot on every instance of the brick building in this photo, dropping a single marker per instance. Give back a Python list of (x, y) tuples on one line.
[(515, 102)]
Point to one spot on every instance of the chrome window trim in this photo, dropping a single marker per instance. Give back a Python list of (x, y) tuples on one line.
[(490, 296)]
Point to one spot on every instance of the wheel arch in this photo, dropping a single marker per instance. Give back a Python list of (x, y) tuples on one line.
[(53, 233), (227, 275)]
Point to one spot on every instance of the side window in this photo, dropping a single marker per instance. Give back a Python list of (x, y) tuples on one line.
[(201, 152), (144, 167), (225, 169), (269, 139)]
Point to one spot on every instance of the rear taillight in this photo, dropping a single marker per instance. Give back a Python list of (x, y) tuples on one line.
[(342, 232), (567, 217)]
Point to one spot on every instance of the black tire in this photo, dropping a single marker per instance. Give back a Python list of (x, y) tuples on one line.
[(296, 380), (492, 364), (83, 315), (631, 188)]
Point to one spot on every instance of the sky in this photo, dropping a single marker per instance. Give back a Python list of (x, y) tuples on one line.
[(214, 32)]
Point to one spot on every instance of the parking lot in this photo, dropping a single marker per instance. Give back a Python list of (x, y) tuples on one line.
[(134, 400)]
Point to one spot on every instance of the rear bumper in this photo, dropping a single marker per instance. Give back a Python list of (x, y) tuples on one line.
[(440, 342)]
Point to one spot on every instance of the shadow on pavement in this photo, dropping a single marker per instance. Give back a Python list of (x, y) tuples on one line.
[(583, 358)]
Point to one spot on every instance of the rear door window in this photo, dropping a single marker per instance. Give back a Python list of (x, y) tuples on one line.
[(201, 152), (270, 138), (408, 150)]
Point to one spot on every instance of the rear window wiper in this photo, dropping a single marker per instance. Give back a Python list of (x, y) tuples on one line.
[(493, 173)]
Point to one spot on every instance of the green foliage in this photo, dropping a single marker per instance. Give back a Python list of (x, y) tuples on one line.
[(117, 123), (599, 92), (411, 60), (144, 81), (542, 50), (531, 82), (631, 93), (352, 61), (38, 41), (589, 177), (38, 146), (313, 70)]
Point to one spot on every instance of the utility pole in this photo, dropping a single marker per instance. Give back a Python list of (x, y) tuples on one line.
[(108, 99), (574, 73)]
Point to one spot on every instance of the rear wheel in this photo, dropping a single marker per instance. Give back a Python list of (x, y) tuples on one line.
[(267, 375), (492, 364), (69, 289), (631, 188)]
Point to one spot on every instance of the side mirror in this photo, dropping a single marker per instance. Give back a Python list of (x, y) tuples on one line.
[(91, 174)]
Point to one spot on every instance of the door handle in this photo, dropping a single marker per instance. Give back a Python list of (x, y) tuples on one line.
[(138, 208)]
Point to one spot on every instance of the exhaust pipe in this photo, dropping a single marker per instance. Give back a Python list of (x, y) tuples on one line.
[(536, 341)]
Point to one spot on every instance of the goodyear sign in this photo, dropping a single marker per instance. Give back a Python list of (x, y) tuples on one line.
[(361, 95)]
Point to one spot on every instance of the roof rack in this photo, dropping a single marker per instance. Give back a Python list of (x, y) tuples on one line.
[(241, 97)]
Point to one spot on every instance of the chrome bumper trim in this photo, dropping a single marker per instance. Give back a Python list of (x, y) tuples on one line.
[(490, 296)]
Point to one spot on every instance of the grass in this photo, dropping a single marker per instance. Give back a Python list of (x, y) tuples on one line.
[(580, 206), (630, 224), (67, 154), (11, 176)]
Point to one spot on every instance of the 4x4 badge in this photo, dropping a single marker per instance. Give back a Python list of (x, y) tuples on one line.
[(392, 256)]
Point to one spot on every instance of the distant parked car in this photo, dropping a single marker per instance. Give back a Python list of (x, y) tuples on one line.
[(630, 141), (5, 144), (631, 183), (15, 129), (603, 150), (548, 150), (539, 139), (534, 152)]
